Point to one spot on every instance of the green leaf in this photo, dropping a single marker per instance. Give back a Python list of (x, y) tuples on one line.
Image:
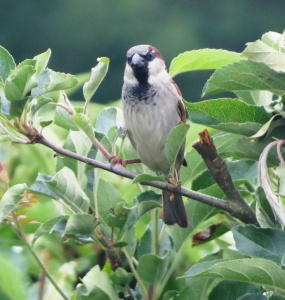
[(202, 59), (65, 187), (175, 139), (121, 277), (242, 170), (260, 242), (11, 281), (269, 50), (80, 224), (259, 98), (7, 129), (249, 270), (152, 269), (112, 207), (84, 123), (228, 290), (273, 128), (7, 64), (264, 212), (62, 118), (148, 178), (245, 75), (96, 285), (10, 199), (198, 213), (20, 83), (42, 61), (97, 75), (139, 209), (79, 143), (238, 147), (106, 120), (51, 226), (227, 114), (60, 81)]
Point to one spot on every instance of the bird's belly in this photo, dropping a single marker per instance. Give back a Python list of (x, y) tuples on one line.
[(149, 128)]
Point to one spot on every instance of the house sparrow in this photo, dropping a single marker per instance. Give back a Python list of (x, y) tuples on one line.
[(152, 106)]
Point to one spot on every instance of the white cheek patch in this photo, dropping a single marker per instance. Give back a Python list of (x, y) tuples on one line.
[(129, 76), (157, 71)]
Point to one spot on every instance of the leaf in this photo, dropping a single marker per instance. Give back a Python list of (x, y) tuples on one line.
[(202, 59), (43, 81), (239, 147), (80, 226), (198, 213), (112, 207), (260, 242), (7, 64), (7, 129), (79, 143), (49, 226), (228, 290), (10, 199), (268, 50), (63, 119), (280, 171), (263, 209), (259, 98), (11, 281), (84, 123), (42, 61), (175, 139), (139, 209), (121, 276), (249, 270), (96, 285), (106, 120), (65, 187), (264, 181), (20, 83), (242, 170), (269, 128), (152, 269), (60, 81), (97, 75), (148, 178), (227, 114), (245, 75)]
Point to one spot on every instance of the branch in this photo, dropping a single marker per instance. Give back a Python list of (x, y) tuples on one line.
[(218, 168), (121, 171)]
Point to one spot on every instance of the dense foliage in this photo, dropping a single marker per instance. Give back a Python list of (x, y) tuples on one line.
[(75, 227)]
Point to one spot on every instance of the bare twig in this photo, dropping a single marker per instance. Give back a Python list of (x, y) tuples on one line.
[(218, 168), (236, 209)]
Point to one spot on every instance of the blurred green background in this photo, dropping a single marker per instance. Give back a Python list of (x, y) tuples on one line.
[(80, 31)]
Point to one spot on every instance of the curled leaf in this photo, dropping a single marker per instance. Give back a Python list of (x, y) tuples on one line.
[(264, 181)]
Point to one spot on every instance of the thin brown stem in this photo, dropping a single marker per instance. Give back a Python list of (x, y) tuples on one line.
[(218, 169), (244, 213)]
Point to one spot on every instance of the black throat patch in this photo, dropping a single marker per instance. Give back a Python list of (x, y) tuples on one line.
[(140, 92)]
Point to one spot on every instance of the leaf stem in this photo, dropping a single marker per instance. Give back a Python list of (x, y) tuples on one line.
[(42, 266), (154, 233), (143, 288), (245, 213)]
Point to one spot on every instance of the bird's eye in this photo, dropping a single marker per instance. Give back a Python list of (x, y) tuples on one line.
[(150, 55), (129, 59)]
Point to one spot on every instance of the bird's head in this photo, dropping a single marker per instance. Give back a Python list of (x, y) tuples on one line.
[(144, 63)]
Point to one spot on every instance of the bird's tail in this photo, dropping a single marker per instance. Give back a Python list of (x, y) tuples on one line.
[(173, 209)]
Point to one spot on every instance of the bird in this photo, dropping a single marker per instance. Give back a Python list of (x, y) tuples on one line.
[(152, 107)]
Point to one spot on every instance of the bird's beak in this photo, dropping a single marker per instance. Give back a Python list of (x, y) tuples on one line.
[(137, 61)]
